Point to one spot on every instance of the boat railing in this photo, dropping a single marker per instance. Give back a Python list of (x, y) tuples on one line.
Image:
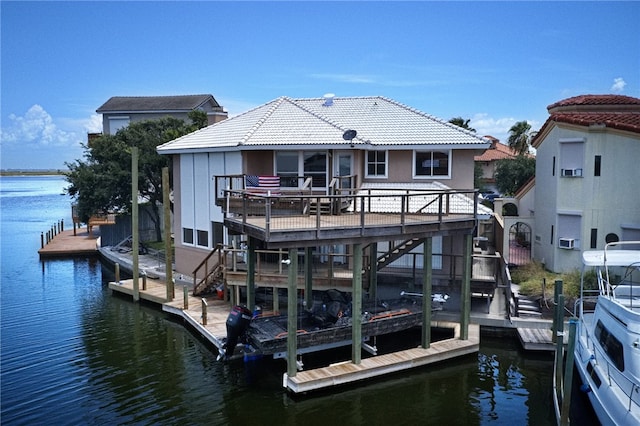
[(613, 376)]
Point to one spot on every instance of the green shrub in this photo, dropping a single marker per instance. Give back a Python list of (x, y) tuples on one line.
[(530, 278)]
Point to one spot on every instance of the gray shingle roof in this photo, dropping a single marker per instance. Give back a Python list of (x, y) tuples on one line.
[(156, 103), (379, 122)]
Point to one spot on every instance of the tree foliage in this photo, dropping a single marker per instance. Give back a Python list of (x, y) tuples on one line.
[(101, 182), (520, 136), (511, 174), (460, 122)]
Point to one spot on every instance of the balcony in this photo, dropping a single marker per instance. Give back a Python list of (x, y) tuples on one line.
[(297, 218)]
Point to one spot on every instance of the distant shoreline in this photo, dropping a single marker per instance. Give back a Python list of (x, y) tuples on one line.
[(32, 172)]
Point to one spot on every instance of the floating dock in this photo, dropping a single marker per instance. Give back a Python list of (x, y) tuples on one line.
[(348, 372)]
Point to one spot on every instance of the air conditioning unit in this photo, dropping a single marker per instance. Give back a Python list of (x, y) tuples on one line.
[(571, 172), (567, 243)]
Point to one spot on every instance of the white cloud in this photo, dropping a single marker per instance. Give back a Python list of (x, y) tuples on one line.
[(618, 84), (36, 126)]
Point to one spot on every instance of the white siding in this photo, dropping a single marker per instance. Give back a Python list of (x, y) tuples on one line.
[(187, 193)]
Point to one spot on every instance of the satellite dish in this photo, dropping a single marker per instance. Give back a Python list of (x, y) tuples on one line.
[(349, 135)]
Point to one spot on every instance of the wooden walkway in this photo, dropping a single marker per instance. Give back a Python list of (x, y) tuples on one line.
[(66, 244), (189, 309)]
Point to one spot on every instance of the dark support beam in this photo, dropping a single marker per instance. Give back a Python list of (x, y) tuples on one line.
[(308, 277), (251, 274), (465, 294), (292, 313), (373, 271), (356, 316), (427, 274)]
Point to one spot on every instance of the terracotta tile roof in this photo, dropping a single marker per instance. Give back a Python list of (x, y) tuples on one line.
[(595, 100), (497, 151), (612, 111)]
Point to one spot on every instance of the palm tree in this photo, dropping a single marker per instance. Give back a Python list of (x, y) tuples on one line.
[(459, 121), (519, 137)]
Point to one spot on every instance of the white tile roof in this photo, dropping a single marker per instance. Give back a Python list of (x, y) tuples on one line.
[(379, 122), (458, 203)]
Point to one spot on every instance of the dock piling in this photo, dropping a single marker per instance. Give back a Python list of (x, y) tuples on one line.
[(117, 272), (185, 291), (204, 311)]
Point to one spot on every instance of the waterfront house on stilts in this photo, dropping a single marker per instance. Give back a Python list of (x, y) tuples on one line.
[(325, 196)]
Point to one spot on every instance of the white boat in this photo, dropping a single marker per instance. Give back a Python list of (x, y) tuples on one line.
[(607, 345)]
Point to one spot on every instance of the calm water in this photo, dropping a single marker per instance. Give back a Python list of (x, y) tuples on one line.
[(73, 354)]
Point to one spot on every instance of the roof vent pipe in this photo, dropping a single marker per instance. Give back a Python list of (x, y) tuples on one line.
[(328, 99)]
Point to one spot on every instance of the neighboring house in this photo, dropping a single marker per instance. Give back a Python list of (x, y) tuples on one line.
[(488, 161), (370, 143), (119, 111), (587, 178)]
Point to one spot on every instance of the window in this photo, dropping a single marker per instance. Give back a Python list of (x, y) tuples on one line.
[(187, 235), (611, 345), (203, 238), (430, 163), (290, 165), (117, 123), (315, 166), (594, 238), (571, 157), (569, 228), (287, 168), (377, 164), (217, 233), (596, 165)]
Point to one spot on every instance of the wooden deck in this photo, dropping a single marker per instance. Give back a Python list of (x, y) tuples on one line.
[(348, 372), (67, 244)]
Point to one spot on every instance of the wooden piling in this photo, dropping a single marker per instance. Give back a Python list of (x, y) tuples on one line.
[(168, 261), (204, 311), (356, 318), (135, 232), (117, 272), (185, 292), (427, 265), (292, 312), (568, 373)]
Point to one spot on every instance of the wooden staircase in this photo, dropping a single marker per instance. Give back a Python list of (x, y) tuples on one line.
[(396, 252), (209, 273)]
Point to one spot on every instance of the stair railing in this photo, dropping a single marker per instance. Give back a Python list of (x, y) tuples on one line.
[(210, 267)]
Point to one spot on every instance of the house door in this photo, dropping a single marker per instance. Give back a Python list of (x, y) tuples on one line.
[(343, 166)]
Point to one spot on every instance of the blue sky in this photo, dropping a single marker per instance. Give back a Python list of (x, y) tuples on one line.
[(492, 62)]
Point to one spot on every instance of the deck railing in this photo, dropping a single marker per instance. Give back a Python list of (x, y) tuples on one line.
[(367, 209)]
